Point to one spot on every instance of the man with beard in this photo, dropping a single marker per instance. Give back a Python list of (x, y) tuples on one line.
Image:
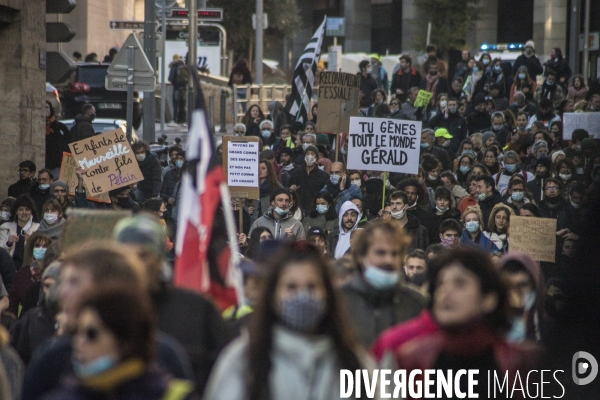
[(375, 296), (60, 190), (399, 203), (521, 138), (545, 114), (26, 173), (339, 240), (404, 77)]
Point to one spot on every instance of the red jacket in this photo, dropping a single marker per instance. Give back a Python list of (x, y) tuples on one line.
[(394, 337)]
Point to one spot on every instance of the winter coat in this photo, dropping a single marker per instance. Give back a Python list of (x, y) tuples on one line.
[(534, 67), (396, 336), (39, 196), (20, 187), (481, 241), (129, 380), (440, 154), (419, 234), (372, 311), (151, 171), (367, 86), (486, 205), (7, 269), (278, 226), (329, 225), (10, 228), (310, 185), (170, 179), (302, 367), (53, 359), (455, 124), (404, 82), (575, 96), (57, 142), (18, 290), (478, 121), (556, 93), (82, 129), (33, 329), (52, 231)]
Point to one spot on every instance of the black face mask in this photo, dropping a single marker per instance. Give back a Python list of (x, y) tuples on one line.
[(552, 200)]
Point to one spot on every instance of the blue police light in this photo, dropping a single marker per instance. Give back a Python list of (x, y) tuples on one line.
[(483, 47)]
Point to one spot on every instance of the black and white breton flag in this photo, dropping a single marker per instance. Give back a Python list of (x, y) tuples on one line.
[(304, 77)]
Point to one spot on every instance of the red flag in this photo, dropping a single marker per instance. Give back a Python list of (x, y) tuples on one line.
[(203, 262)]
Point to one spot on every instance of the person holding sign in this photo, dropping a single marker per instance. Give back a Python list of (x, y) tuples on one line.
[(409, 109)]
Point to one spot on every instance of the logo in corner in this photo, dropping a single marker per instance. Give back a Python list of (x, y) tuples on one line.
[(584, 363)]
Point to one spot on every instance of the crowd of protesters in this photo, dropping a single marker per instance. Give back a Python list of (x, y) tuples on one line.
[(341, 268)]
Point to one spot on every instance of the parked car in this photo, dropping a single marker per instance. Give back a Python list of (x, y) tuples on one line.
[(102, 125), (54, 99), (87, 86)]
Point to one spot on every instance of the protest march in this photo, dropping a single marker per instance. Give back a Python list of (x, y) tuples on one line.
[(418, 236)]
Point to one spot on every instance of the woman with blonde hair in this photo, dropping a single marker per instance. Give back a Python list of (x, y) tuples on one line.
[(472, 234)]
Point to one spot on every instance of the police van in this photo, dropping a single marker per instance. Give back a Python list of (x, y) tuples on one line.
[(504, 51)]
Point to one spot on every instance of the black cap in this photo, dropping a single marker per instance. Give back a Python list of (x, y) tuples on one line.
[(279, 191), (286, 150), (480, 98), (316, 230), (545, 103)]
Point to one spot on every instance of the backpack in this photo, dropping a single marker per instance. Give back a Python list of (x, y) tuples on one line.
[(182, 76)]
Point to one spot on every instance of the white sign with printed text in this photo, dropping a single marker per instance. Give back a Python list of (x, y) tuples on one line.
[(242, 164), (380, 144)]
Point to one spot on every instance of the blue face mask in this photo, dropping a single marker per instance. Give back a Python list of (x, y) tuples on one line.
[(266, 133), (475, 70), (464, 169), (522, 76), (497, 68), (472, 226), (99, 365), (179, 163), (335, 179), (510, 167), (39, 253), (281, 211), (424, 145), (44, 186), (481, 196), (380, 279), (517, 196), (321, 208)]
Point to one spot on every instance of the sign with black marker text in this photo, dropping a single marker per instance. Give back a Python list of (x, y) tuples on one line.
[(380, 144)]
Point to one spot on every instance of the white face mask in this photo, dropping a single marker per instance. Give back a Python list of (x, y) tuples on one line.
[(356, 182), (5, 215), (398, 214), (140, 157), (443, 104), (310, 160), (50, 218)]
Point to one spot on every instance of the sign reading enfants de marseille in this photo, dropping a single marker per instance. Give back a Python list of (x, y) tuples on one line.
[(379, 144)]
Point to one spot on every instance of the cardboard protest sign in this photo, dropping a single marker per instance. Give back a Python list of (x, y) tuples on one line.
[(338, 101), (590, 121), (84, 226), (67, 175), (108, 161), (534, 236), (379, 144), (423, 98), (241, 156)]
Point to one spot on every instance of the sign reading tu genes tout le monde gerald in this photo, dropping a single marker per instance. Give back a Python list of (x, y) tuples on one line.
[(108, 161)]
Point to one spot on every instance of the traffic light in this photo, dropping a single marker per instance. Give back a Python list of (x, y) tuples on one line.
[(58, 64)]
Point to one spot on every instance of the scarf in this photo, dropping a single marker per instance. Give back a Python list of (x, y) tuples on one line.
[(548, 91), (265, 189), (53, 231), (432, 86), (474, 80), (49, 122)]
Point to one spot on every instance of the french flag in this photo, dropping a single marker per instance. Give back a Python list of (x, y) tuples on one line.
[(206, 248)]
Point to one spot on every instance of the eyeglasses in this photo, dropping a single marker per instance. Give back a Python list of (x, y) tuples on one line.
[(91, 334), (551, 187)]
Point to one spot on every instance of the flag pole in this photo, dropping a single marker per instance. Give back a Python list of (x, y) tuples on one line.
[(383, 198), (233, 242)]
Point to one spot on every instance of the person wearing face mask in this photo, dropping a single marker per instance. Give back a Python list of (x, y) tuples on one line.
[(300, 334), (151, 171), (475, 82), (517, 195), (309, 180), (500, 102), (323, 215), (472, 235), (458, 192), (5, 209), (541, 167), (171, 178), (529, 61), (434, 82), (340, 186), (376, 297), (367, 85), (121, 200), (58, 138), (487, 195), (545, 114), (551, 90), (571, 221), (279, 219), (523, 82), (432, 168), (34, 252), (409, 111), (526, 285), (266, 134), (379, 73), (399, 203), (26, 180), (559, 64), (449, 234), (40, 193), (53, 221), (499, 128), (520, 103), (511, 167), (552, 203), (427, 147)]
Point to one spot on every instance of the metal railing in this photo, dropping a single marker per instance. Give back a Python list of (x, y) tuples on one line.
[(246, 95)]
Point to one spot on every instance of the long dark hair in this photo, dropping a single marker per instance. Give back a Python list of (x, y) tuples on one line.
[(330, 215), (254, 242), (334, 323)]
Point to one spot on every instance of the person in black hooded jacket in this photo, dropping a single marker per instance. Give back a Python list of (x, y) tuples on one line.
[(151, 170), (553, 203), (487, 195)]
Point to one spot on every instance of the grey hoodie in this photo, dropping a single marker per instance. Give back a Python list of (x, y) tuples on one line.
[(278, 226)]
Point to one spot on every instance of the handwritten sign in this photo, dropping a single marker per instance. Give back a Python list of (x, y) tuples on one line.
[(590, 121), (84, 226), (338, 101), (108, 161), (379, 144), (241, 157), (423, 98), (534, 236), (67, 175)]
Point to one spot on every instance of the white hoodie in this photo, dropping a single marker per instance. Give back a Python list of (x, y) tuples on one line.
[(343, 243)]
